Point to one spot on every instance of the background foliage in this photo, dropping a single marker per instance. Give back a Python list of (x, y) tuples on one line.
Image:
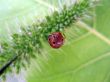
[(85, 55)]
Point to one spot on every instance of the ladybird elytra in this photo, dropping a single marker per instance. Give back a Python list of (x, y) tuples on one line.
[(56, 39)]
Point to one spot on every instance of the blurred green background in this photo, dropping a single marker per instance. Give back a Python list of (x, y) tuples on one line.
[(83, 58)]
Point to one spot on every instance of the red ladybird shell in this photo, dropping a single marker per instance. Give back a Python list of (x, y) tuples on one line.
[(56, 40)]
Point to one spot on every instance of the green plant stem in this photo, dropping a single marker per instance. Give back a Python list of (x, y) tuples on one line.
[(3, 69)]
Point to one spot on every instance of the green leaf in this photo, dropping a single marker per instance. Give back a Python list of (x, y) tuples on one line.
[(85, 55), (84, 58)]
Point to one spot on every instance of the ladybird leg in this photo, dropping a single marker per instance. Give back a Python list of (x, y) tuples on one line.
[(64, 35)]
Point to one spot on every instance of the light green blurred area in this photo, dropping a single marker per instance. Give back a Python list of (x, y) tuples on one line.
[(83, 58), (103, 18), (16, 13)]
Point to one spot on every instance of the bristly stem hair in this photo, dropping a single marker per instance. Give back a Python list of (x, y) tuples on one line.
[(25, 45)]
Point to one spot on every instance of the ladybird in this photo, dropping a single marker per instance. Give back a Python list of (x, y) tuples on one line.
[(56, 39)]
